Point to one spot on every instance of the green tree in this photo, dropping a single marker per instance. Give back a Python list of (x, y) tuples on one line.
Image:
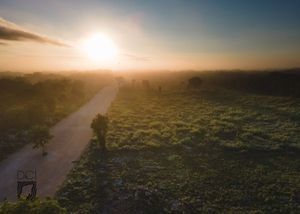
[(99, 126), (40, 137)]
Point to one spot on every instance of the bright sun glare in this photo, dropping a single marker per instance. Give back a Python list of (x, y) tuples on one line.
[(100, 47)]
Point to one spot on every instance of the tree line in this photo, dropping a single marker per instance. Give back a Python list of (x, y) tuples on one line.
[(274, 83)]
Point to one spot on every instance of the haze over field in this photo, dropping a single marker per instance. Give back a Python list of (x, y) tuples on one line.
[(172, 35), (149, 106)]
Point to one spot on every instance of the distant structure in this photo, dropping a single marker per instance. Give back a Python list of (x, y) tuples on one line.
[(26, 178)]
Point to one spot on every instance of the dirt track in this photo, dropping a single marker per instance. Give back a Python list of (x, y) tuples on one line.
[(71, 135)]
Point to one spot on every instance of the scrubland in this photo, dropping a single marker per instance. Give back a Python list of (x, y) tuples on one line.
[(212, 150)]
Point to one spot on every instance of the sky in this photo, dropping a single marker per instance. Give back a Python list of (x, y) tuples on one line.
[(150, 35)]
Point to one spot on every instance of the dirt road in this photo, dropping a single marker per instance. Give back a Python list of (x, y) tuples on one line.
[(71, 135)]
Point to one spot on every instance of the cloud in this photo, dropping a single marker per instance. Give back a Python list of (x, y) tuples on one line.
[(137, 58), (12, 32)]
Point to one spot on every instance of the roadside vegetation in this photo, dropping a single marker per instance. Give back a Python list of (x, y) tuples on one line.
[(40, 137), (37, 206), (172, 150), (34, 101)]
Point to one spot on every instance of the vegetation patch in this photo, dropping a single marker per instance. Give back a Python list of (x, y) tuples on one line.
[(205, 151), (37, 206), (37, 100)]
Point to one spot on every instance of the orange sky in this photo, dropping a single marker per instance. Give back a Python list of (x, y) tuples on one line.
[(172, 35)]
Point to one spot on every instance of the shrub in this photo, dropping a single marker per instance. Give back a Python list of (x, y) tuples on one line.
[(37, 206)]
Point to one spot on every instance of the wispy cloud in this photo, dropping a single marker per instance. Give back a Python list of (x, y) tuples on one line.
[(137, 58), (12, 32)]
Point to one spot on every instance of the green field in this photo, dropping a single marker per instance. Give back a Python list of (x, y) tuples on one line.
[(207, 151)]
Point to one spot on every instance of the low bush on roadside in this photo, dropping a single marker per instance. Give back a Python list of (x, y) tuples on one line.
[(37, 206)]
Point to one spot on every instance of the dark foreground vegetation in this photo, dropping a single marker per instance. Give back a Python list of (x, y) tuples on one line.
[(37, 206), (32, 100), (209, 150)]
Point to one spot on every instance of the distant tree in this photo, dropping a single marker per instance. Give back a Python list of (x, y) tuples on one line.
[(194, 83), (133, 81), (120, 80), (146, 84), (40, 137), (159, 89), (99, 126)]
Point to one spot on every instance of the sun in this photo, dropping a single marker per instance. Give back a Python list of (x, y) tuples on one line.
[(100, 47)]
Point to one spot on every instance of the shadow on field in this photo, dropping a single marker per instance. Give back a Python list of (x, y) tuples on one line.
[(184, 178)]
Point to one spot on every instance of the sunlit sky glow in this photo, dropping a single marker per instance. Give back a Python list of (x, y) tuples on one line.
[(156, 34), (100, 47)]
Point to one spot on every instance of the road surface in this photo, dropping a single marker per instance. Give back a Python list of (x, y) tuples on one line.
[(71, 135)]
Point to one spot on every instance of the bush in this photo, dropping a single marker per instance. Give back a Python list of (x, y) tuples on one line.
[(194, 83), (47, 206)]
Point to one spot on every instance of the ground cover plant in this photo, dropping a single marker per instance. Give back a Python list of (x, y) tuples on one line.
[(191, 151)]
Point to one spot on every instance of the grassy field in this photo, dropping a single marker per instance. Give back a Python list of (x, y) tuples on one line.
[(207, 151)]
